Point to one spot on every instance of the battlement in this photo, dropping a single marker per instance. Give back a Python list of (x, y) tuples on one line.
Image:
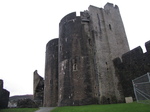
[(147, 45), (133, 55), (1, 84), (72, 16), (132, 65), (110, 5), (68, 17)]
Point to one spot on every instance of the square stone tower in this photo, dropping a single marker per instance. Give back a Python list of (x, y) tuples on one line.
[(109, 42)]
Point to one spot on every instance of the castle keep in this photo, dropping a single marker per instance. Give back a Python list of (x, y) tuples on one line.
[(83, 66), (79, 68)]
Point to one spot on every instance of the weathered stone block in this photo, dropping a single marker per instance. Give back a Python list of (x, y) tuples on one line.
[(128, 99)]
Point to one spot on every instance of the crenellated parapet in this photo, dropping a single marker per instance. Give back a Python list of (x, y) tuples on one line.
[(131, 65), (147, 45)]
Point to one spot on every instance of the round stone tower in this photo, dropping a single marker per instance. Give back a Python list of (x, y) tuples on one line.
[(51, 74), (76, 66)]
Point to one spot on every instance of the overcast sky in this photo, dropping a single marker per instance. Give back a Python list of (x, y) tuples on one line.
[(27, 25)]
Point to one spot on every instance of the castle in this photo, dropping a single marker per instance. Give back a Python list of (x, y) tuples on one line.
[(83, 66)]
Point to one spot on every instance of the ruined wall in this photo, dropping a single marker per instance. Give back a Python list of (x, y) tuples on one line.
[(75, 63), (51, 74), (4, 96), (109, 42), (38, 88), (133, 64)]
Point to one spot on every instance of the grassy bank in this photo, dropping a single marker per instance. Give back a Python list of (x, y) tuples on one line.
[(19, 110), (130, 107)]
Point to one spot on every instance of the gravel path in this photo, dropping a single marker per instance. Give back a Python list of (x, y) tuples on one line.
[(45, 109)]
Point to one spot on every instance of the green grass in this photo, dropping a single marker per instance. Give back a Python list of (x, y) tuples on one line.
[(19, 110), (130, 107)]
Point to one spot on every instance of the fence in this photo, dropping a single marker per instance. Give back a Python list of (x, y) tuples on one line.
[(141, 87)]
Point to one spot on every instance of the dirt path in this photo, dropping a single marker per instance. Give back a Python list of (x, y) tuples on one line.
[(45, 109)]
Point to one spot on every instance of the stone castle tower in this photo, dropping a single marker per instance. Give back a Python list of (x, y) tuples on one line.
[(79, 69)]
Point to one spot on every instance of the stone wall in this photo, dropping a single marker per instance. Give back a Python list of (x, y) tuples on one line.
[(131, 65), (4, 96), (38, 88)]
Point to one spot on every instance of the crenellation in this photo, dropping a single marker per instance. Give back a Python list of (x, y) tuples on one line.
[(132, 55), (1, 84), (134, 64), (116, 6), (109, 5), (68, 17), (147, 45)]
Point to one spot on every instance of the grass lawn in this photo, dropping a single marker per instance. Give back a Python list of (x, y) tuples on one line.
[(19, 110), (130, 107)]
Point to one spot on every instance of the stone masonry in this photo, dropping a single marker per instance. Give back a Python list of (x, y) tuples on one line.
[(38, 88), (4, 96), (132, 65), (86, 46), (90, 62), (51, 74)]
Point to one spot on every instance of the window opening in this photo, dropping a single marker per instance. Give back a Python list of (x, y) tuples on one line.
[(60, 48), (74, 67), (110, 27), (89, 41)]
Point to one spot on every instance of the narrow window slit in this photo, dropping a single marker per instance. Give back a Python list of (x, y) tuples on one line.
[(110, 27), (74, 67)]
